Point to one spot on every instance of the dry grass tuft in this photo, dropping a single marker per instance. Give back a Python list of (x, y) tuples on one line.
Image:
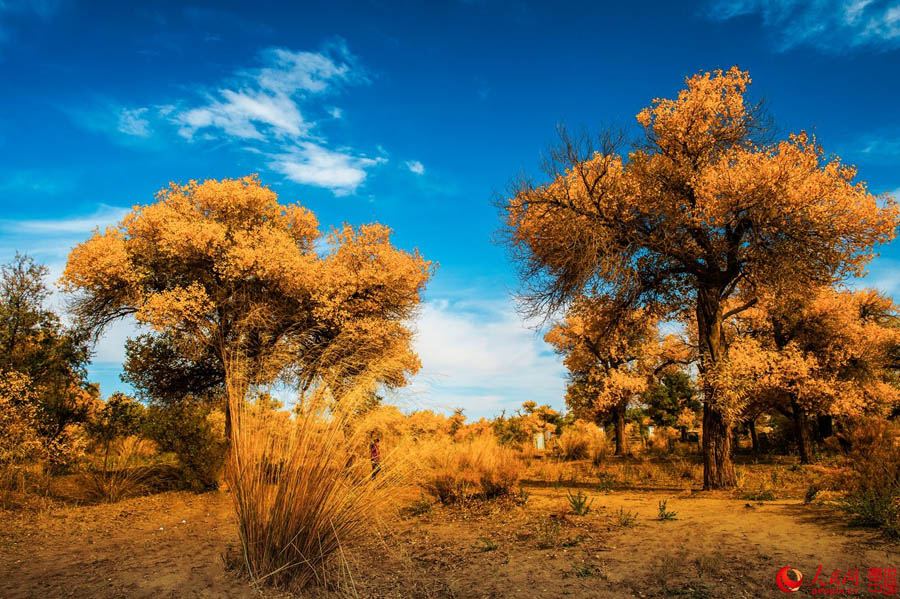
[(123, 473), (475, 469), (303, 491)]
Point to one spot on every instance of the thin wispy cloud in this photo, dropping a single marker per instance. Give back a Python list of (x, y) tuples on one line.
[(311, 164), (416, 167), (76, 225), (879, 149), (274, 110), (833, 26), (132, 121)]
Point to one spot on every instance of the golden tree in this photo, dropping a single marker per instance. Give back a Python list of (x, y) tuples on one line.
[(702, 204), (609, 357), (823, 353), (222, 267)]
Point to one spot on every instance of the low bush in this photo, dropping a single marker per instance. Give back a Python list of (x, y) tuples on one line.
[(195, 433), (122, 474), (476, 469), (873, 495), (580, 441)]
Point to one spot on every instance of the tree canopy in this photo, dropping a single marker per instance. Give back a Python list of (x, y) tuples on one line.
[(703, 203), (221, 271)]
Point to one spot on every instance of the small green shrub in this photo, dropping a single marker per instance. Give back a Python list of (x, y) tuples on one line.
[(485, 544), (585, 570), (579, 503), (624, 518), (762, 494), (664, 514)]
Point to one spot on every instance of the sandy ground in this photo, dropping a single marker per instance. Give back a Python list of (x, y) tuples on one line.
[(172, 545)]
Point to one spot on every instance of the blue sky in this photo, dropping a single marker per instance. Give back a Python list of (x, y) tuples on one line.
[(414, 114)]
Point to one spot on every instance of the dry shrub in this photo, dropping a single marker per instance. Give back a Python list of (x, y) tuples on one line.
[(477, 469), (195, 433), (302, 492), (663, 439), (873, 495), (123, 473), (579, 441)]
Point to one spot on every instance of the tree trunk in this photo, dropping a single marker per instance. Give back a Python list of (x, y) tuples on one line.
[(718, 470), (801, 430), (751, 424), (621, 444)]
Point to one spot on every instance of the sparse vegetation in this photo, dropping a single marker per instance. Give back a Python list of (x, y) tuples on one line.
[(579, 502), (665, 514), (626, 518), (547, 533)]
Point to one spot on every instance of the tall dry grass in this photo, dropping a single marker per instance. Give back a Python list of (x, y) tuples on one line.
[(303, 491), (873, 487), (123, 473), (479, 468), (581, 440)]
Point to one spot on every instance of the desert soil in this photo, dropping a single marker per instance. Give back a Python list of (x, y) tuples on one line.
[(173, 545)]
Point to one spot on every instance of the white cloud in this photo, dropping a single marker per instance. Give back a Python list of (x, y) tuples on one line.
[(480, 356), (829, 25), (239, 113), (416, 167), (266, 102), (275, 111), (291, 72), (312, 164), (132, 122)]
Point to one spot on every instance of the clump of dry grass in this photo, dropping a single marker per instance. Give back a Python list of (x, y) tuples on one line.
[(303, 491), (123, 474), (873, 495), (477, 469), (580, 441)]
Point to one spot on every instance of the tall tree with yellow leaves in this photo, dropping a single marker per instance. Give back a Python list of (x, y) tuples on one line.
[(827, 352), (222, 267), (702, 204), (611, 357)]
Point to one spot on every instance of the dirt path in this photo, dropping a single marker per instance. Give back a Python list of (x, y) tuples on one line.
[(171, 545)]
